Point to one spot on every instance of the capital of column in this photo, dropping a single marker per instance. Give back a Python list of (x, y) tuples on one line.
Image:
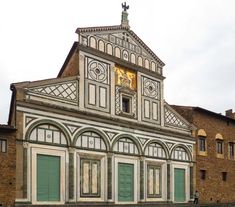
[(25, 145), (71, 150)]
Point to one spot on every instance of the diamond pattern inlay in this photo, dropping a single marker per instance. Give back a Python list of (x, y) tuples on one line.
[(66, 91), (172, 119)]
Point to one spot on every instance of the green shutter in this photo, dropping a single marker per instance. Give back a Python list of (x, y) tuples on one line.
[(179, 189), (48, 178), (125, 182)]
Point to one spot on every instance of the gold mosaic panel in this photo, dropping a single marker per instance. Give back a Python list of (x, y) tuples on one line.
[(125, 77)]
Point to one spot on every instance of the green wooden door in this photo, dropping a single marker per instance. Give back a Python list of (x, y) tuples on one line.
[(179, 190), (125, 182), (48, 178)]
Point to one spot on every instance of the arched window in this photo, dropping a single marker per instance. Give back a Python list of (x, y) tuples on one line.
[(93, 42), (117, 52), (155, 150), (140, 61), (153, 66), (180, 153), (90, 140), (133, 58), (147, 63), (219, 145), (101, 45), (48, 133), (109, 49), (126, 145), (201, 140)]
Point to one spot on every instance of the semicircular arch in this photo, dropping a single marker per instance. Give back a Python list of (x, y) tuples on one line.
[(181, 149), (101, 135), (158, 152), (130, 140), (48, 122)]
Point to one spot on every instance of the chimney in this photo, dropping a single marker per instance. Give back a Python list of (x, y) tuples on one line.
[(229, 113)]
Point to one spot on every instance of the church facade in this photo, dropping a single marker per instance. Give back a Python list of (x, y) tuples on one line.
[(101, 131)]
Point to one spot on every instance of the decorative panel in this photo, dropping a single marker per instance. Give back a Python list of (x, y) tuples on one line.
[(146, 109), (97, 88), (121, 92), (90, 178), (155, 150), (92, 94), (97, 70), (173, 119), (28, 120), (125, 78), (125, 145), (150, 88), (155, 110), (143, 140), (48, 133), (151, 96), (64, 91), (103, 97), (111, 135), (153, 181), (91, 140), (71, 128)]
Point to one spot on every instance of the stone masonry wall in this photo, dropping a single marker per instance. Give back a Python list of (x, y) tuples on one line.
[(7, 170), (213, 189)]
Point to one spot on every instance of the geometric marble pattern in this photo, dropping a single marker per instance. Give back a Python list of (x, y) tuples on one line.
[(151, 88), (111, 135), (172, 119), (28, 119), (66, 91), (169, 145), (97, 71), (143, 140), (71, 128)]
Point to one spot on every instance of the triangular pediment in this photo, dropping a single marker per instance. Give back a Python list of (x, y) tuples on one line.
[(122, 43)]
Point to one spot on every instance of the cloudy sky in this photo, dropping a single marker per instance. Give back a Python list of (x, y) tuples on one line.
[(195, 39)]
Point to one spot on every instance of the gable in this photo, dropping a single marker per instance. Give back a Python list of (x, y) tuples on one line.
[(122, 43)]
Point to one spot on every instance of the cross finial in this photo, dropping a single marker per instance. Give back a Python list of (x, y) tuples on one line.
[(124, 6)]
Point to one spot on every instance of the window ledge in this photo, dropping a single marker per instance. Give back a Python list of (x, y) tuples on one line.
[(202, 153), (221, 156)]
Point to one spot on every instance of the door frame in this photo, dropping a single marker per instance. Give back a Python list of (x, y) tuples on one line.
[(45, 151), (129, 160), (184, 166)]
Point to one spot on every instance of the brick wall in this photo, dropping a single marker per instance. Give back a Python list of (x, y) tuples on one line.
[(213, 189), (7, 168)]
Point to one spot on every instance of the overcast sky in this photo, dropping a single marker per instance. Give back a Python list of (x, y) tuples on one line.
[(194, 38)]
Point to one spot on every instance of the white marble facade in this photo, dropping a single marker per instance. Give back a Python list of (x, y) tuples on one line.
[(109, 121)]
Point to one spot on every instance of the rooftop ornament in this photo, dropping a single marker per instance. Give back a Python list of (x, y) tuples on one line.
[(125, 21)]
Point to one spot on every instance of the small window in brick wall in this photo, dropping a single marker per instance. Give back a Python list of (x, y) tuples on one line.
[(202, 144), (203, 174), (219, 147), (224, 176), (231, 150), (3, 145)]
